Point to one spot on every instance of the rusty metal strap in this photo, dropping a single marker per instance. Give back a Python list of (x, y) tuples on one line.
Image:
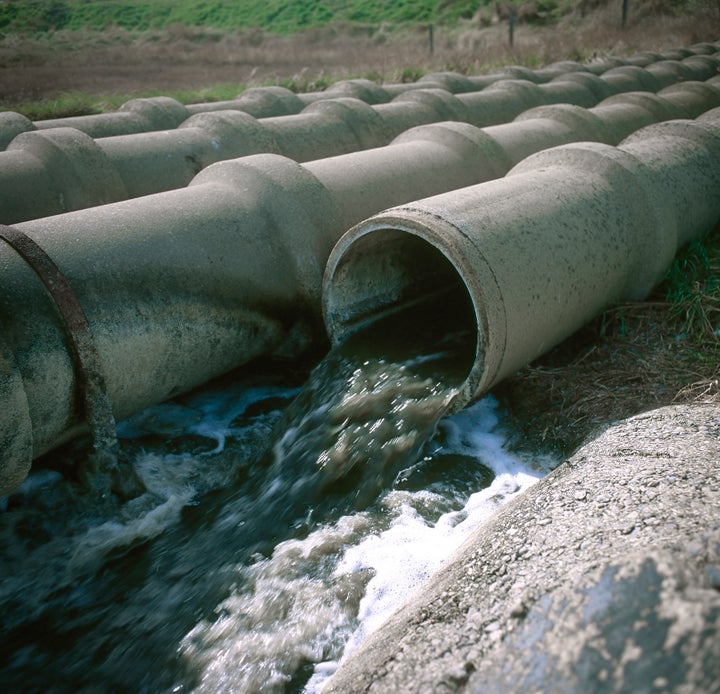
[(91, 380)]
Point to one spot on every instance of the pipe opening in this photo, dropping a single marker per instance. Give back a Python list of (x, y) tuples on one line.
[(404, 283)]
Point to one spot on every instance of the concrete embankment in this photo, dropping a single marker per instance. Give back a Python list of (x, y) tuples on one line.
[(602, 577)]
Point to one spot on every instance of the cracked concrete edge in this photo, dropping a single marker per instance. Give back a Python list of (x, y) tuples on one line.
[(602, 577)]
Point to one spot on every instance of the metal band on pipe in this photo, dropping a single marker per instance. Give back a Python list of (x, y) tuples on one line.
[(91, 381)]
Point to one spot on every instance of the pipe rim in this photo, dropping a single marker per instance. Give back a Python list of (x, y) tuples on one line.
[(436, 234), (16, 447)]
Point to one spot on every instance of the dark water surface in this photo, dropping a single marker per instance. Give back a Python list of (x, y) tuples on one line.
[(273, 515)]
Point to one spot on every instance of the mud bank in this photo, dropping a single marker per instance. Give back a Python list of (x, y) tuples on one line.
[(604, 576)]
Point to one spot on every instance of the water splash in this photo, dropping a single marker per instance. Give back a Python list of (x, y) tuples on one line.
[(244, 571), (331, 589)]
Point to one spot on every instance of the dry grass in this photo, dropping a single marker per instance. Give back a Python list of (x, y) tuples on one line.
[(120, 61)]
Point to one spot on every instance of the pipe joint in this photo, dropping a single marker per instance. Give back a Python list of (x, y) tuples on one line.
[(517, 72), (525, 94), (693, 98), (356, 116), (361, 89), (597, 85), (569, 92), (583, 123), (156, 113), (683, 157), (451, 81), (11, 125), (660, 109), (645, 80), (670, 71), (703, 66), (233, 133), (266, 102), (296, 207), (76, 167), (468, 142), (703, 48), (442, 103)]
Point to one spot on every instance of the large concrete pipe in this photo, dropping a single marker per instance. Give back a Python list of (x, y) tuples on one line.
[(536, 255), (162, 113), (179, 287), (36, 178), (183, 286)]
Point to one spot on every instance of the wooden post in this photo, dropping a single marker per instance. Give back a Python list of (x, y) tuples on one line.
[(624, 13), (431, 43), (511, 28)]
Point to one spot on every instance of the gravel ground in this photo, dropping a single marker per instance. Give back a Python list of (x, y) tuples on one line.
[(604, 576)]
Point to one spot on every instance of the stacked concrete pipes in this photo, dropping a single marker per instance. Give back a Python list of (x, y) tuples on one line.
[(180, 287), (534, 256), (161, 113), (49, 172)]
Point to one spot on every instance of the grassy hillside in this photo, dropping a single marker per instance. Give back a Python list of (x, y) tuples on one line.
[(277, 16), (281, 16)]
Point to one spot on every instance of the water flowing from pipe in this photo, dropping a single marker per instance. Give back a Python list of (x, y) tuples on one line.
[(246, 567)]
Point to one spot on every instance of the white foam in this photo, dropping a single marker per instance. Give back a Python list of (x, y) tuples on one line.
[(316, 599), (404, 555)]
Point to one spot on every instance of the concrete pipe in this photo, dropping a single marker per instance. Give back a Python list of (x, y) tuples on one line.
[(534, 256), (43, 173), (260, 102), (33, 170), (162, 113), (138, 115), (11, 125), (180, 287)]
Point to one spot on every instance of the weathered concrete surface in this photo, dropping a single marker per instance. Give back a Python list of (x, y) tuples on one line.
[(603, 577), (526, 249)]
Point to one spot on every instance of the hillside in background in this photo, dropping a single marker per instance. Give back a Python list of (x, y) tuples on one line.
[(282, 16), (70, 57)]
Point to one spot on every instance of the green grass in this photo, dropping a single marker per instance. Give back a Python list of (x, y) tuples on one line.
[(70, 104), (692, 286), (278, 16)]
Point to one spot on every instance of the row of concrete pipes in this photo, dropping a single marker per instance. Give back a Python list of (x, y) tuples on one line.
[(62, 169), (170, 290), (162, 113)]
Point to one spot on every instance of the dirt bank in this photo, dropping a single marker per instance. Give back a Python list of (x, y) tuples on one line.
[(117, 61)]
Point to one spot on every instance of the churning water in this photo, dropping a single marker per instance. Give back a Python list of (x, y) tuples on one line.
[(278, 525)]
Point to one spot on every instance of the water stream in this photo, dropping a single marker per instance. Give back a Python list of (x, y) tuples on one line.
[(279, 524)]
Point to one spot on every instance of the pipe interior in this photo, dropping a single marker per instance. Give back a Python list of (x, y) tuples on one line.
[(390, 272)]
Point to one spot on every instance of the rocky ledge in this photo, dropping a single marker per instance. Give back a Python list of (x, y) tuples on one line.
[(603, 577)]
